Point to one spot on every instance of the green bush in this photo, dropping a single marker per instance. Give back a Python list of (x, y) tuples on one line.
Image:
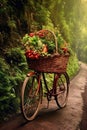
[(15, 57), (6, 94), (12, 73), (73, 66)]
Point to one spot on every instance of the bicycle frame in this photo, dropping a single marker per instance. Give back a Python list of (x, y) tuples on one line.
[(52, 92)]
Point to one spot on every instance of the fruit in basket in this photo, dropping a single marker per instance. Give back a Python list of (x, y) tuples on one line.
[(42, 43), (64, 47), (65, 50), (32, 54), (31, 34), (45, 49)]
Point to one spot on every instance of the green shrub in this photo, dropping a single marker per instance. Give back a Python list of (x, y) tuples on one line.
[(6, 94), (16, 57), (12, 74), (73, 66)]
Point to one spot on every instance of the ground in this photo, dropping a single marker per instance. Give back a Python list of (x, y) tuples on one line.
[(72, 117)]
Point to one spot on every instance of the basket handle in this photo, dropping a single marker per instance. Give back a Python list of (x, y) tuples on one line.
[(55, 38)]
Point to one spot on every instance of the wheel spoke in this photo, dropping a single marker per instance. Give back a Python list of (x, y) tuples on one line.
[(31, 97), (62, 90)]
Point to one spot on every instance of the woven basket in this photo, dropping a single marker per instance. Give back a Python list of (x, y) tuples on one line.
[(55, 63)]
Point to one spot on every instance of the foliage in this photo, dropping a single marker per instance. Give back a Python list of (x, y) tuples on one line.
[(15, 57), (6, 93), (73, 66), (11, 75)]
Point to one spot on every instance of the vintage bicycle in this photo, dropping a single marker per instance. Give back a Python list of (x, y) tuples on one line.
[(36, 83)]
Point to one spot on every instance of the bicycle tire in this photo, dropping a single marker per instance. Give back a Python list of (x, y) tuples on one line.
[(31, 96), (62, 90)]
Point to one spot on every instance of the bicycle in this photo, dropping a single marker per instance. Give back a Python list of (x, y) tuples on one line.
[(32, 92), (33, 86)]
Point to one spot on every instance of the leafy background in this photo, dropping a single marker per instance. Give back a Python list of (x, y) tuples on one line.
[(18, 17)]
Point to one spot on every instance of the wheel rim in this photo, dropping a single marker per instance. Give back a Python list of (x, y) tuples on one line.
[(62, 90), (31, 98)]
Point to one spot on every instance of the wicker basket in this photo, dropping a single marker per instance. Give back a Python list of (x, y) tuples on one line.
[(55, 63)]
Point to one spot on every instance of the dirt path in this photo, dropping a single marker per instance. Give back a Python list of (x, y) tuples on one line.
[(72, 117)]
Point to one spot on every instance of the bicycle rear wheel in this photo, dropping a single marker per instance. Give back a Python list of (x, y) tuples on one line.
[(62, 89), (31, 96)]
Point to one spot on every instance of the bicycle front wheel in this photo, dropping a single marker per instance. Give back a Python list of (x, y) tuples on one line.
[(31, 96), (62, 89)]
